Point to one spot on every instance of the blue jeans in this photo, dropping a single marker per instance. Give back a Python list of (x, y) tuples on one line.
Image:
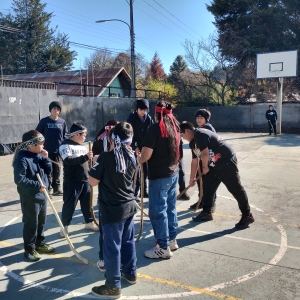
[(162, 209), (119, 251)]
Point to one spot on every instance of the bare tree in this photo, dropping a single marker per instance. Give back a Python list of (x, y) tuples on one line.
[(214, 72), (100, 59)]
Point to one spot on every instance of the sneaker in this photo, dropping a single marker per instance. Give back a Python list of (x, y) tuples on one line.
[(101, 265), (130, 278), (105, 292), (244, 222), (173, 245), (32, 255), (202, 217), (157, 252), (44, 248), (91, 226), (62, 233), (57, 192), (184, 196)]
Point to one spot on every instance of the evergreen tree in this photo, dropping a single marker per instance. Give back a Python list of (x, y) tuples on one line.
[(248, 27), (176, 69), (156, 70), (37, 48)]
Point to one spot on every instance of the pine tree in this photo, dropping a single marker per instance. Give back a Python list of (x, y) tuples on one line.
[(248, 27), (37, 48), (156, 70)]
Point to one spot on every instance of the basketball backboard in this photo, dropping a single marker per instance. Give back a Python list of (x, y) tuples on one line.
[(277, 64)]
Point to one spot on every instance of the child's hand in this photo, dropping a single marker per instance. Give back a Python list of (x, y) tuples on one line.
[(138, 158), (44, 153), (90, 154), (137, 151), (43, 187)]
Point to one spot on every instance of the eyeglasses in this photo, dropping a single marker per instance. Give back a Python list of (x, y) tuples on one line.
[(109, 127)]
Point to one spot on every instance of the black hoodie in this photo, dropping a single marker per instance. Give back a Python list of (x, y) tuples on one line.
[(26, 166)]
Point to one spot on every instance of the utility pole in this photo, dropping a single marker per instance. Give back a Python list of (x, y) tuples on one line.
[(132, 56)]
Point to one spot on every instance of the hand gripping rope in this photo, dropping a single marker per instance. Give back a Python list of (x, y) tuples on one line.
[(91, 194), (85, 261)]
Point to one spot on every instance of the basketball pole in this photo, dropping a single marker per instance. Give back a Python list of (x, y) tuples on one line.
[(279, 103)]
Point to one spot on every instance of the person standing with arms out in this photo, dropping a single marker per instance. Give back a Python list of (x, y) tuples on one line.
[(140, 121), (161, 151), (54, 130), (113, 172), (271, 116), (30, 158), (76, 187)]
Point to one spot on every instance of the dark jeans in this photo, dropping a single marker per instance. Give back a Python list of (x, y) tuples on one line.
[(74, 191), (34, 219), (54, 177), (119, 251), (101, 257), (181, 176), (272, 124), (229, 175), (138, 180)]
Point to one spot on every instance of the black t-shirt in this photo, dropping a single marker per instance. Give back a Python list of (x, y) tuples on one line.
[(159, 163), (116, 197), (219, 151)]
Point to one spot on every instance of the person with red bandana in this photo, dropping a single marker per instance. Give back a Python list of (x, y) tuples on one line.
[(160, 148)]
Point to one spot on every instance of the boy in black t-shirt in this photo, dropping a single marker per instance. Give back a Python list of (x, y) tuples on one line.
[(219, 165), (114, 171)]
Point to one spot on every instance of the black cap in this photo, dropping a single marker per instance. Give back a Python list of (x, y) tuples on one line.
[(142, 104), (203, 113), (54, 104)]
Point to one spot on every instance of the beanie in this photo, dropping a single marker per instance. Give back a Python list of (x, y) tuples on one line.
[(54, 104), (203, 113), (142, 104)]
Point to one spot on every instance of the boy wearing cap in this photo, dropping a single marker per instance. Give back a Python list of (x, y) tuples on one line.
[(54, 130), (202, 117), (76, 186), (140, 121)]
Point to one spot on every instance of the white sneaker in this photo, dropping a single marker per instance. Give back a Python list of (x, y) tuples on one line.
[(101, 265), (173, 245), (91, 226), (62, 233), (157, 252)]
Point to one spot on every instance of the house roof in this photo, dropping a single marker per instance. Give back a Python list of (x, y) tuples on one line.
[(75, 82)]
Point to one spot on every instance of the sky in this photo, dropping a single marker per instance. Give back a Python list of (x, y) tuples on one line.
[(160, 26)]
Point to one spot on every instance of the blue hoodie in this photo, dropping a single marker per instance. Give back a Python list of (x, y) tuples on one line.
[(26, 166)]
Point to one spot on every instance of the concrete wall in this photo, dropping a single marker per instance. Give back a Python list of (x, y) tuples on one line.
[(20, 110), (31, 104)]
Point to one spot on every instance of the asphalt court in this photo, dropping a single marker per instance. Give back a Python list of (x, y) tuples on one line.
[(214, 261)]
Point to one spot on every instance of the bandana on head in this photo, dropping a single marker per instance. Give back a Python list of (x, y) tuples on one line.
[(25, 145), (121, 148), (68, 135), (162, 125)]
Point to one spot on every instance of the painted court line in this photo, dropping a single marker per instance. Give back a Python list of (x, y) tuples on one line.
[(209, 290)]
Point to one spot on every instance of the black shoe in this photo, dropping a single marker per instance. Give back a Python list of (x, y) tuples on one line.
[(270, 133), (130, 278), (105, 292), (203, 217), (244, 222), (57, 192), (193, 206), (184, 196), (146, 195)]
